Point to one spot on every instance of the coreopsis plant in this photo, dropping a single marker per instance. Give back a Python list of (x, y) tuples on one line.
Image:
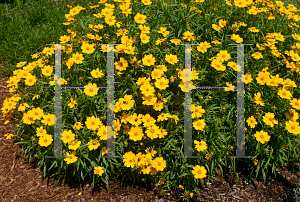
[(150, 86)]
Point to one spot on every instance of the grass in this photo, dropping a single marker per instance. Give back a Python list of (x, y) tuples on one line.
[(25, 29)]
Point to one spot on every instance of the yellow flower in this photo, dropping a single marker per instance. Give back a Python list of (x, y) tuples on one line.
[(67, 136), (279, 37), (78, 58), (181, 187), (257, 55), (91, 89), (295, 103), (72, 103), (87, 48), (162, 83), (199, 124), (144, 38), (199, 172), (263, 78), (45, 140), (74, 145), (21, 64), (293, 127), (98, 170), (197, 111), (188, 35), (74, 11), (40, 131), (93, 123), (136, 133), (295, 36), (147, 90), (110, 20), (93, 144), (128, 159), (285, 94), (144, 29), (253, 29), (172, 59), (240, 3), (216, 27), (70, 62), (9, 104), (223, 55), (255, 162), (141, 19), (152, 131), (164, 31), (48, 119), (146, 2), (257, 99), (122, 64), (96, 73), (269, 119), (103, 134), (262, 137), (27, 119), (36, 113), (292, 115), (30, 80), (126, 102), (251, 122), (237, 38), (71, 157), (229, 88), (159, 163), (200, 146), (47, 70), (148, 120), (8, 136), (158, 106), (148, 60), (64, 39), (217, 64), (175, 41), (77, 125)]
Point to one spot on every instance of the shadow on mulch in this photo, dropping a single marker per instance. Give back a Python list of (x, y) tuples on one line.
[(21, 180)]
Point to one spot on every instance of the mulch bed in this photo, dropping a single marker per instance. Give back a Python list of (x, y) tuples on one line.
[(22, 180)]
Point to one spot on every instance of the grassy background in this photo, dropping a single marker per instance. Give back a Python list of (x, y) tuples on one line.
[(26, 28)]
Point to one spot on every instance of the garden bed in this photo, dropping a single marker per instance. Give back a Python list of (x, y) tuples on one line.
[(22, 181)]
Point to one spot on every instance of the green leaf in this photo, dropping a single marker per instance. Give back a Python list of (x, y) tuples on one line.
[(53, 164), (184, 174)]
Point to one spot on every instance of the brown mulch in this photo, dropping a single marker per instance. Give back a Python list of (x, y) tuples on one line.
[(21, 180)]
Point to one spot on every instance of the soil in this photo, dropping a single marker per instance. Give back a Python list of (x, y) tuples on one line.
[(21, 180)]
